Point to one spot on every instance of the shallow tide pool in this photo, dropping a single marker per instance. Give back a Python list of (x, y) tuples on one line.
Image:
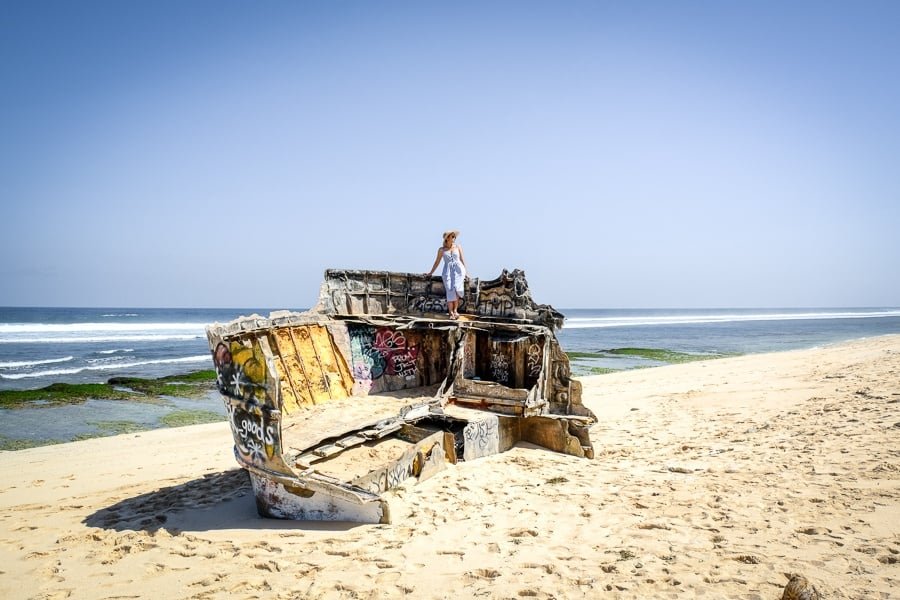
[(67, 422)]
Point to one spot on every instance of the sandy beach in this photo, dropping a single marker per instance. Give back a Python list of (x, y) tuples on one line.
[(710, 479)]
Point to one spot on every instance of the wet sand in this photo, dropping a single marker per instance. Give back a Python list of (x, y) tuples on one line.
[(710, 479)]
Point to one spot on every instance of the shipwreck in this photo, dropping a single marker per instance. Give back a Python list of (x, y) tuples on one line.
[(400, 390)]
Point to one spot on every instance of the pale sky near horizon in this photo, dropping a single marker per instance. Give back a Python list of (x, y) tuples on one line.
[(624, 154)]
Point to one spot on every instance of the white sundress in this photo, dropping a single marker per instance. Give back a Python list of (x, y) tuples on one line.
[(454, 275)]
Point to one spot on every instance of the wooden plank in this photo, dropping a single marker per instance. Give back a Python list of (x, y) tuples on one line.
[(517, 363), (327, 450), (350, 441)]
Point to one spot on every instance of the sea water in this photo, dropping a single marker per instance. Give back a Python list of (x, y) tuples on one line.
[(40, 346), (717, 331)]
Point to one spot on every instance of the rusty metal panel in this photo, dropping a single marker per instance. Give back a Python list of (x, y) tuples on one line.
[(317, 381), (379, 304), (534, 362), (385, 358), (469, 342), (356, 305), (399, 284), (313, 366), (256, 430), (555, 434), (293, 366), (332, 363), (410, 464), (243, 370), (289, 398), (323, 502)]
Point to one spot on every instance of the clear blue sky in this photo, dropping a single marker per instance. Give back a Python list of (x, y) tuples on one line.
[(627, 154)]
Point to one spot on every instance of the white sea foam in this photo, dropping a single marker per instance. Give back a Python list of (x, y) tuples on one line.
[(49, 333), (115, 351), (97, 338), (33, 363), (106, 360), (117, 366), (45, 328), (691, 319), (120, 315)]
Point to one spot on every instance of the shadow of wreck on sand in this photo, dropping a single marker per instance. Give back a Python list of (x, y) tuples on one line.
[(216, 501)]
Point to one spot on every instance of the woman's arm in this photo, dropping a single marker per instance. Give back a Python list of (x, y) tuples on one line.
[(434, 266), (462, 258)]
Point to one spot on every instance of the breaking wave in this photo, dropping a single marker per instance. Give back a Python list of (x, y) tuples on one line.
[(698, 318), (18, 364), (75, 370), (97, 338), (53, 333), (44, 328)]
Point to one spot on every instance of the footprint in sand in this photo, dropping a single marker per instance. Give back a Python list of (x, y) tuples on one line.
[(489, 574), (520, 533), (271, 566), (385, 579), (814, 530)]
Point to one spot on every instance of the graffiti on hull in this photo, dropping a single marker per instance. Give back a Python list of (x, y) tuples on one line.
[(255, 435), (380, 351), (240, 370)]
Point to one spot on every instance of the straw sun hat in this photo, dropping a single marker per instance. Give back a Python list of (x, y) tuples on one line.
[(451, 232)]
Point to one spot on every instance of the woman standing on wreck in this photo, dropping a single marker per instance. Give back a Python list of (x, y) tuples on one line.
[(454, 273)]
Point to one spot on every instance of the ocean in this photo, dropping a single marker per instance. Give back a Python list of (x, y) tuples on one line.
[(714, 331), (40, 346)]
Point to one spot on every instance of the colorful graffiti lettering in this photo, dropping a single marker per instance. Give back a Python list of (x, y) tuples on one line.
[(376, 352), (240, 370)]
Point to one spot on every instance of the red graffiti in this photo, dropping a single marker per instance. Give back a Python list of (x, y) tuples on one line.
[(400, 358)]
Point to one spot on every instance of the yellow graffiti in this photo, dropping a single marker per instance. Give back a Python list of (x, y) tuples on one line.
[(252, 363)]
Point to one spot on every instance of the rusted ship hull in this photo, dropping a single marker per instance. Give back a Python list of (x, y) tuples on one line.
[(375, 388)]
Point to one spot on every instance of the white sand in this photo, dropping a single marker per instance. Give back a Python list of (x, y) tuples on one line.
[(711, 479)]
